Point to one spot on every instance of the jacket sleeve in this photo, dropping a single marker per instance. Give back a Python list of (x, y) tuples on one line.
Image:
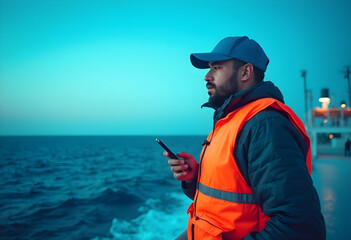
[(189, 188), (276, 154)]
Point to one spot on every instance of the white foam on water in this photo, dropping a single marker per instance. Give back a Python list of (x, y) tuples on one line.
[(155, 222)]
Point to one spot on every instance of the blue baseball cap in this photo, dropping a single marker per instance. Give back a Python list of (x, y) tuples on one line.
[(240, 48)]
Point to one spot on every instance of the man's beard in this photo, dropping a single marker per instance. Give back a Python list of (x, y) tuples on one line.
[(223, 92)]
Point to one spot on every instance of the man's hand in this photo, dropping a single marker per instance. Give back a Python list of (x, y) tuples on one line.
[(179, 167)]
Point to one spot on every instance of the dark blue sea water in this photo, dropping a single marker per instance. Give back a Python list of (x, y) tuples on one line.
[(109, 188), (91, 188)]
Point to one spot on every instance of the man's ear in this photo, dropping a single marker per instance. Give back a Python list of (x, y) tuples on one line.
[(246, 72)]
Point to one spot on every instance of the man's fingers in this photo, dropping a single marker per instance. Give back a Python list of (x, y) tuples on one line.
[(176, 169), (174, 162), (180, 168), (184, 155), (180, 175)]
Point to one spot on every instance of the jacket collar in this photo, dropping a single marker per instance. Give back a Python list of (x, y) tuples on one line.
[(261, 90)]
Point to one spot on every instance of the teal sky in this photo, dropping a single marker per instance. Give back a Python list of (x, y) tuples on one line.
[(99, 67)]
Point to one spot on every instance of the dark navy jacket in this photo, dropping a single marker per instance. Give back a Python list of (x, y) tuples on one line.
[(271, 155)]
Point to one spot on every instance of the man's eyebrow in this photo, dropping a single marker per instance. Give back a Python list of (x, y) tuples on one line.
[(214, 63)]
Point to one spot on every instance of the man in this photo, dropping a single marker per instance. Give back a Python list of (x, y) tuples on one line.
[(253, 178)]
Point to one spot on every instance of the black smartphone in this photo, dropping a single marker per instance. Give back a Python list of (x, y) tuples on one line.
[(169, 151)]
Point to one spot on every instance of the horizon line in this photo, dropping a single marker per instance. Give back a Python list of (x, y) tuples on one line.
[(101, 135)]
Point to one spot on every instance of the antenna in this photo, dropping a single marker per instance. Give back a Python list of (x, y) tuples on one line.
[(303, 75), (347, 77)]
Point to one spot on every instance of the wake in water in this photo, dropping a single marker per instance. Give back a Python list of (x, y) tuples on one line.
[(158, 220)]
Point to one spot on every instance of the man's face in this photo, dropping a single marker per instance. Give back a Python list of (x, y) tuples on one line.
[(222, 81)]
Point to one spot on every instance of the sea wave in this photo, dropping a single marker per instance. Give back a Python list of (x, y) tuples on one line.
[(157, 221), (71, 214), (82, 187)]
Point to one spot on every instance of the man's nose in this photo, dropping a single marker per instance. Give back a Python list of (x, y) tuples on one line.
[(208, 77)]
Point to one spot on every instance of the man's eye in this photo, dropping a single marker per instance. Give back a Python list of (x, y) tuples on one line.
[(216, 67)]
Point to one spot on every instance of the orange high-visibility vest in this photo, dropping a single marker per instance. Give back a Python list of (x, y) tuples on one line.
[(224, 206)]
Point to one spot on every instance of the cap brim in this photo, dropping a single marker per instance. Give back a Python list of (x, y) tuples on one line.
[(201, 60)]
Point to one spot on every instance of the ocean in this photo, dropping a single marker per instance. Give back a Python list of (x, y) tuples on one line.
[(91, 187), (110, 188)]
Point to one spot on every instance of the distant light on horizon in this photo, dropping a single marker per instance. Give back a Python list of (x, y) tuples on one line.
[(343, 104)]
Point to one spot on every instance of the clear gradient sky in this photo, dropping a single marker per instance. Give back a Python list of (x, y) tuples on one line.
[(109, 67)]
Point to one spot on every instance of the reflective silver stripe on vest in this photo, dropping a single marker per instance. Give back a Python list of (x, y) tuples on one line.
[(227, 196)]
